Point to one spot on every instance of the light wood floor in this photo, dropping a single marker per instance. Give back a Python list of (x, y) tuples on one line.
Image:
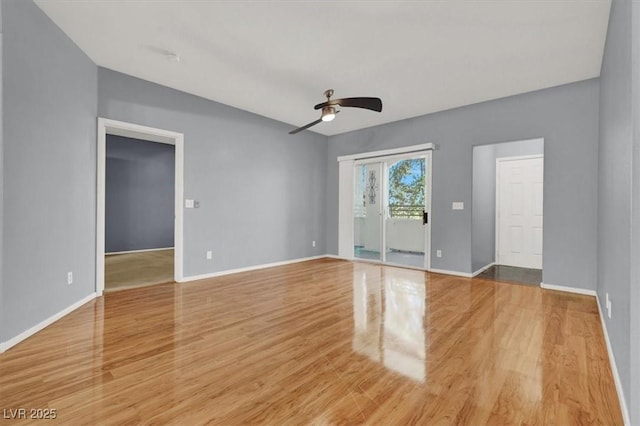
[(320, 342), (139, 269)]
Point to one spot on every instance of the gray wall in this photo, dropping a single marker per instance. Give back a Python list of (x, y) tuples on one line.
[(483, 209), (262, 192), (140, 188), (634, 299), (616, 174), (565, 116), (50, 99)]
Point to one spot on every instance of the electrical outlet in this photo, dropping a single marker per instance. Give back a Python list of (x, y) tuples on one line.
[(69, 278), (438, 253), (313, 243), (209, 255)]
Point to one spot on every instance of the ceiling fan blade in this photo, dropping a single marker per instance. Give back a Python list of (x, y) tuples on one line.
[(299, 129), (373, 104)]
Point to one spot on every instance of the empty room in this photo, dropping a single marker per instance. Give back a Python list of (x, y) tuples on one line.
[(312, 212)]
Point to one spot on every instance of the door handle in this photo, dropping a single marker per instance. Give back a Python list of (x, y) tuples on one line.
[(425, 217)]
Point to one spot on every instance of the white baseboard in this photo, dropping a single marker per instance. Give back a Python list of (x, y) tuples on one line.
[(484, 268), (250, 268), (53, 318), (456, 273), (138, 251), (569, 289), (333, 256), (614, 368)]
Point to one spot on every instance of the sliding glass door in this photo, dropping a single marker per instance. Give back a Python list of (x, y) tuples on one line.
[(391, 210)]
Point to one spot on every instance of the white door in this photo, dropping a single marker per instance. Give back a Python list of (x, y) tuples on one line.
[(519, 212)]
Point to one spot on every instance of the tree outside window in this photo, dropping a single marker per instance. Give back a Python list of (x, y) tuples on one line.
[(406, 189)]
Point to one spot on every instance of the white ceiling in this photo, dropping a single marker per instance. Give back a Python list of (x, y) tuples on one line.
[(275, 58)]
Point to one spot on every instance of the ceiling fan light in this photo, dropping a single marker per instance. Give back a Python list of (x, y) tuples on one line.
[(328, 113)]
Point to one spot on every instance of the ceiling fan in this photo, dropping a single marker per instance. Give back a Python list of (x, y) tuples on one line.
[(329, 108)]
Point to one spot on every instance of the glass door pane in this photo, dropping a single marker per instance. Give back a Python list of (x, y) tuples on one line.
[(405, 212), (367, 211)]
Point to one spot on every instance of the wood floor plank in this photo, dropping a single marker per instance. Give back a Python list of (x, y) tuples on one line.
[(320, 342), (138, 269)]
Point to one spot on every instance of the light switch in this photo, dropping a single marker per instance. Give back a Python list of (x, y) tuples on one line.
[(188, 204), (458, 205)]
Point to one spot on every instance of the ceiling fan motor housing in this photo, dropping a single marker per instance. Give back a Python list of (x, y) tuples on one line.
[(328, 113)]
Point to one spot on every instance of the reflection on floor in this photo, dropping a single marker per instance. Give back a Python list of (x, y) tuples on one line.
[(513, 275), (321, 342), (140, 269), (392, 333), (412, 259)]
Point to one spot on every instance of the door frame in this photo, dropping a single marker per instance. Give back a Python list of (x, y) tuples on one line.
[(120, 128), (497, 218), (346, 189)]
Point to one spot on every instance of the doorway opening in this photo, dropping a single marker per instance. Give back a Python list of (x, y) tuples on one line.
[(391, 208), (139, 213), (135, 252), (507, 211)]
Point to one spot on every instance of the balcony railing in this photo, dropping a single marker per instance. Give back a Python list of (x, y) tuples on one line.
[(406, 211)]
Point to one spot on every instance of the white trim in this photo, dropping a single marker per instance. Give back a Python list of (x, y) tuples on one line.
[(428, 186), (139, 251), (566, 289), (484, 268), (336, 257), (251, 268), (520, 157), (387, 152), (393, 158), (100, 204), (383, 169), (447, 272), (497, 188), (614, 369), (53, 318), (346, 187), (121, 128)]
